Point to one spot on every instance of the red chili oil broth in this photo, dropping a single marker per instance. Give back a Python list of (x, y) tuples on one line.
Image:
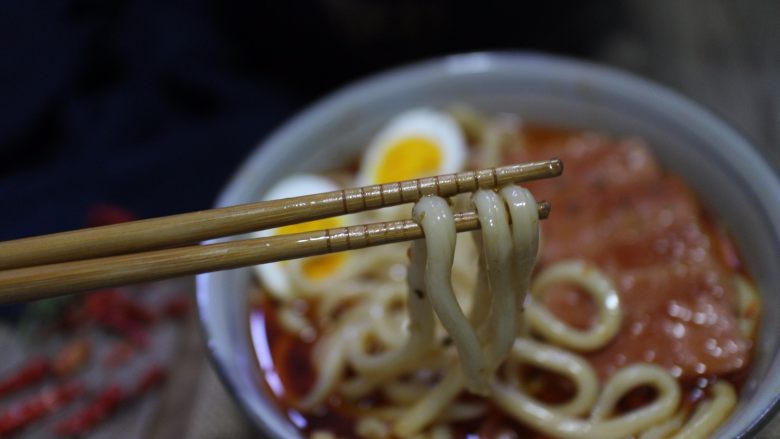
[(285, 363)]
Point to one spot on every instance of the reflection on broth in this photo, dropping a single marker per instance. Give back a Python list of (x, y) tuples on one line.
[(639, 319)]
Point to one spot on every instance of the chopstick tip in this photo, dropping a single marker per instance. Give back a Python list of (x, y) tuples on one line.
[(544, 209), (556, 167)]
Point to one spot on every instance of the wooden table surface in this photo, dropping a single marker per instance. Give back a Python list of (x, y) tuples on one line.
[(724, 54)]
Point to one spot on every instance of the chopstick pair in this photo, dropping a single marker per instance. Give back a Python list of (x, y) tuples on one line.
[(139, 251)]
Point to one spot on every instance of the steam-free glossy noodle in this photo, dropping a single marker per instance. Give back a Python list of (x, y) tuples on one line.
[(629, 315)]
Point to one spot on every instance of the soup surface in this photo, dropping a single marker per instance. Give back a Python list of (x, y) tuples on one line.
[(687, 303)]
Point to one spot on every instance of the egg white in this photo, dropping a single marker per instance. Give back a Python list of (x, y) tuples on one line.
[(437, 127)]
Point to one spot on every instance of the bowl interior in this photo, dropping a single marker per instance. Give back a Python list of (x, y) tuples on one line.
[(717, 162)]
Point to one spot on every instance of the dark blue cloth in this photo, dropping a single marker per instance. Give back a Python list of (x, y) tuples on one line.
[(130, 103), (151, 104)]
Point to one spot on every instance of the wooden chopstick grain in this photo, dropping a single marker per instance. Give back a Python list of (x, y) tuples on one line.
[(190, 228), (40, 282)]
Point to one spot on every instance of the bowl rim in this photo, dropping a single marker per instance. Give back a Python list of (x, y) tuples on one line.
[(456, 64)]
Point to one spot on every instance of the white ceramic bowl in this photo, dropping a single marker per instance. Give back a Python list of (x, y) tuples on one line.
[(727, 172)]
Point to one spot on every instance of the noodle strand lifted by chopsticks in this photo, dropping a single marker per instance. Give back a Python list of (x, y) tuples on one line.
[(435, 217), (498, 331)]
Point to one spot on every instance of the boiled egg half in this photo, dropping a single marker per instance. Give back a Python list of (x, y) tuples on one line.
[(282, 279), (417, 143)]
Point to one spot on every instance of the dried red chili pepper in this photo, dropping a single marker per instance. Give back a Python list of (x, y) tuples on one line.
[(71, 357), (118, 313), (73, 316), (138, 312), (99, 303), (152, 377), (32, 409), (100, 408), (119, 353), (107, 402), (30, 373), (176, 307), (120, 324)]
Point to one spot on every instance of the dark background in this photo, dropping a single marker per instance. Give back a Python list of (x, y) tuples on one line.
[(151, 104)]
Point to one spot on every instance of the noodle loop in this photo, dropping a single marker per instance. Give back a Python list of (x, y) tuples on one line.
[(541, 417), (597, 285)]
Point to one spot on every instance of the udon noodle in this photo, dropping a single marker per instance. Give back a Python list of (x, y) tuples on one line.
[(431, 340)]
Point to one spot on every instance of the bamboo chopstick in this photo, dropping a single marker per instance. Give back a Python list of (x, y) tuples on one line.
[(190, 228), (33, 283)]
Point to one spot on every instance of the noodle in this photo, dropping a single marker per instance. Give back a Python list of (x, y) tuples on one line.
[(499, 330), (435, 217), (749, 305), (403, 393), (563, 362), (507, 261), (705, 419), (371, 428), (331, 354), (322, 435), (431, 405), (665, 429), (710, 413), (462, 411), (594, 283), (557, 424), (440, 432)]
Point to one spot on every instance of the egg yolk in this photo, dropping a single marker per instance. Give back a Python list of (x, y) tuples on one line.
[(320, 267), (317, 267), (309, 226), (411, 157)]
